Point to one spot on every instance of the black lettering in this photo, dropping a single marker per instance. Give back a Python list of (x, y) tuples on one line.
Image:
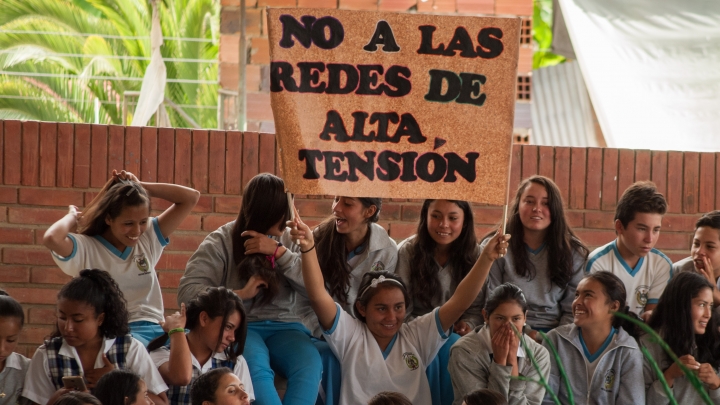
[(426, 39), (388, 169), (408, 169), (456, 164), (356, 163), (310, 156), (369, 78), (410, 128), (337, 33), (310, 76), (423, 167), (359, 128), (382, 119), (490, 44), (471, 93), (334, 125), (383, 35), (398, 77), (436, 83), (461, 42), (292, 28), (332, 166), (281, 72), (335, 78)]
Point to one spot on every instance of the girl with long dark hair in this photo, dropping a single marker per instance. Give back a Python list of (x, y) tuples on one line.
[(122, 387), (13, 366)]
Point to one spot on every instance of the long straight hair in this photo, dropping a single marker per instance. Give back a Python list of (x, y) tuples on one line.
[(113, 198)]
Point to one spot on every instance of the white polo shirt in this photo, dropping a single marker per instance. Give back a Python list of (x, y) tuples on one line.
[(367, 370), (133, 269), (39, 386), (162, 355), (644, 284), (12, 378)]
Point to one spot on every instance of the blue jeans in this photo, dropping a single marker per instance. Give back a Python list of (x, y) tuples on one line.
[(438, 376), (285, 347), (145, 331), (332, 374)]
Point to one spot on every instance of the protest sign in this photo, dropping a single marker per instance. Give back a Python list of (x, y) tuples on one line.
[(372, 104)]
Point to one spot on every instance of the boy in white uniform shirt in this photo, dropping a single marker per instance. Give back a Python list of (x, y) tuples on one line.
[(644, 270)]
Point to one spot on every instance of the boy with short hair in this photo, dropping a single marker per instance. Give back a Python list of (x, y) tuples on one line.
[(644, 270)]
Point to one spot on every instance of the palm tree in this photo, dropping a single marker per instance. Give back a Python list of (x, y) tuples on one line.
[(58, 56)]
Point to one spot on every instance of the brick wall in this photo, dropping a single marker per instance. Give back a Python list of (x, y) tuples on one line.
[(48, 166), (259, 114)]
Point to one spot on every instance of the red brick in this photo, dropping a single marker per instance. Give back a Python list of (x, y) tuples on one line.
[(266, 153), (514, 7), (170, 300), (578, 161), (46, 316), (204, 204), (251, 155), (12, 149), (132, 150), (488, 215), (679, 223), (525, 59), (599, 220), (314, 208), (594, 179), (48, 275), (169, 279), (17, 255), (191, 223), (48, 153), (642, 165), (562, 173), (659, 174), (229, 205), (691, 187), (98, 155), (200, 160), (401, 230), (546, 161), (2, 148), (39, 196), (8, 195), (65, 142), (515, 168), (172, 261), (411, 213), (33, 295), (166, 154), (30, 153), (258, 108), (390, 212), (116, 148), (674, 182), (16, 236), (673, 240), (439, 6), (529, 161), (260, 51), (81, 171), (35, 216), (626, 170), (481, 232), (594, 239), (213, 222), (148, 161), (396, 5), (277, 3), (216, 170), (14, 274), (233, 158), (35, 334), (575, 219), (609, 179), (3, 214), (318, 3), (706, 192), (183, 158), (674, 257), (476, 6), (371, 5)]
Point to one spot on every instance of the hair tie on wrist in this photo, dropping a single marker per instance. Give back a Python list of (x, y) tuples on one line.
[(176, 330), (305, 251)]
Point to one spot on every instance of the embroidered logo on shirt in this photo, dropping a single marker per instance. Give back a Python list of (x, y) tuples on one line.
[(411, 361), (609, 380), (141, 262), (377, 266), (641, 294)]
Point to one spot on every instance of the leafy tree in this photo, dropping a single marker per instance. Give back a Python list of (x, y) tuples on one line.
[(542, 34)]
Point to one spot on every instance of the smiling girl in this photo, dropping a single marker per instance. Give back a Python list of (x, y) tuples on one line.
[(13, 366), (683, 318), (601, 359), (218, 328), (90, 340), (378, 351), (491, 356), (117, 234), (545, 258), (432, 263)]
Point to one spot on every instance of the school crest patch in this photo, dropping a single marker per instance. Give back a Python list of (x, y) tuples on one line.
[(377, 266), (641, 295), (609, 380), (411, 361), (141, 262)]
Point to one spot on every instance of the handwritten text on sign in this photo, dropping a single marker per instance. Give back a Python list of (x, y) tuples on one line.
[(393, 105)]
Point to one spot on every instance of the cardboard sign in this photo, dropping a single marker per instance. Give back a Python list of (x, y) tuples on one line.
[(373, 104)]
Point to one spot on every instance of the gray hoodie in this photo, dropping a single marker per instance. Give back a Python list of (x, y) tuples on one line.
[(472, 368), (618, 376), (212, 265), (682, 389)]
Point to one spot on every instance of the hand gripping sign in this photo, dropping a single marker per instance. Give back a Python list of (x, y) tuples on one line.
[(393, 105)]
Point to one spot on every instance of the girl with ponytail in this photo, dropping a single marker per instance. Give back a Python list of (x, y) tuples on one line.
[(91, 338), (684, 319), (217, 330), (13, 366), (600, 355)]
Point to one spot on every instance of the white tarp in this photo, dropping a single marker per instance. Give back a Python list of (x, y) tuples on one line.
[(652, 68), (152, 92)]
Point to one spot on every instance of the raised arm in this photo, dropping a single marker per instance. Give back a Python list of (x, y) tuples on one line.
[(178, 369), (183, 199), (470, 286), (56, 237), (320, 300)]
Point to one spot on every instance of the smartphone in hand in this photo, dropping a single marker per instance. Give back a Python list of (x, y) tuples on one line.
[(74, 383)]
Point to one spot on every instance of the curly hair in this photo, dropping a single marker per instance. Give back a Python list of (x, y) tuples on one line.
[(641, 197), (98, 289), (425, 286), (204, 387), (114, 387), (332, 255), (112, 199)]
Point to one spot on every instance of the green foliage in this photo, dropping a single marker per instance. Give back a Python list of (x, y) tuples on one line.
[(534, 362), (542, 34), (72, 99)]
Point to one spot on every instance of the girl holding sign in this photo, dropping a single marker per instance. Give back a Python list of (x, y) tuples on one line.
[(378, 351)]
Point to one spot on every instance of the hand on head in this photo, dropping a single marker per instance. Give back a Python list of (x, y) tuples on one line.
[(123, 175), (259, 243)]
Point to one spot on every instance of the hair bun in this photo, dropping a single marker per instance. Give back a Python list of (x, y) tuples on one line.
[(3, 292)]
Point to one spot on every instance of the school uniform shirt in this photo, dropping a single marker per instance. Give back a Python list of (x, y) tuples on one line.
[(213, 265), (415, 307), (381, 253), (240, 369), (133, 269), (39, 386), (472, 368), (549, 305), (612, 375), (12, 378), (687, 264), (682, 388), (644, 284), (367, 370)]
